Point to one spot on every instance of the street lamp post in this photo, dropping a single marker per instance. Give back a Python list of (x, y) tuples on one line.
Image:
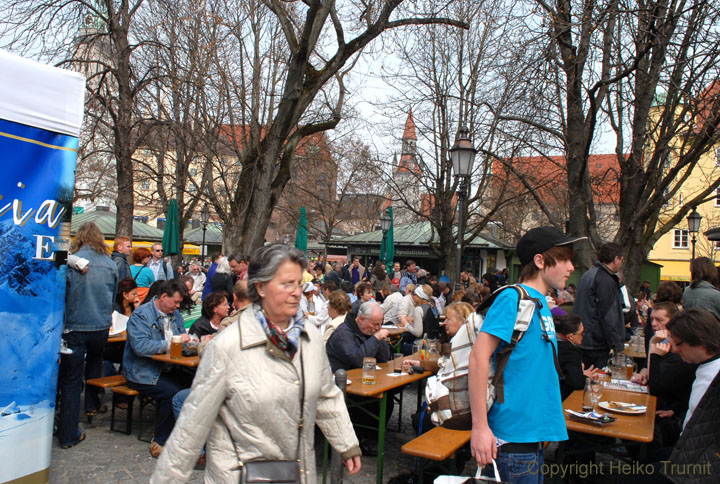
[(693, 221), (462, 155), (385, 222), (205, 217)]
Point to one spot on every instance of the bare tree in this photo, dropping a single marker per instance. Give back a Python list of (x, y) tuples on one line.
[(451, 78), (644, 69), (47, 30), (285, 83)]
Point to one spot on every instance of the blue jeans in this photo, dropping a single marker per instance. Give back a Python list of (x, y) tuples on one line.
[(178, 400), (163, 391), (87, 347), (518, 468)]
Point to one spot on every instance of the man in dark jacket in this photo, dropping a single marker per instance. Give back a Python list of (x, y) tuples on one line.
[(359, 337), (122, 248), (598, 302)]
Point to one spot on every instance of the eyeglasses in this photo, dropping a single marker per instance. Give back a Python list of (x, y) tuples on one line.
[(158, 250), (290, 286)]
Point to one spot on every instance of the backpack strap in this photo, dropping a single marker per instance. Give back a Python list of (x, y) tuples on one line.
[(525, 312), (522, 323)]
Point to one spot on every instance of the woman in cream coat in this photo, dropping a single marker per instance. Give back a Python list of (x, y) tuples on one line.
[(245, 399)]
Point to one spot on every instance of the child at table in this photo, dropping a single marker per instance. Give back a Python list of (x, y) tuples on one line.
[(569, 329)]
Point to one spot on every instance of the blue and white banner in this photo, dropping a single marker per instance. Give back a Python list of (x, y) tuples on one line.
[(40, 115)]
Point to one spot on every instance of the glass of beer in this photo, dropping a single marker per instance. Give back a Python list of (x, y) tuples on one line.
[(397, 363), (368, 371), (176, 347)]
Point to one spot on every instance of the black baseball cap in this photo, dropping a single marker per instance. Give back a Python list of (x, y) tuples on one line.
[(539, 240)]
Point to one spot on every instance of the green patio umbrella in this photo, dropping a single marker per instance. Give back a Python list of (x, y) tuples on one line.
[(390, 244), (171, 234), (301, 237)]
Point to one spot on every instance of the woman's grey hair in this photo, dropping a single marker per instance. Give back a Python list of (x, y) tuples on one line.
[(223, 266), (265, 261)]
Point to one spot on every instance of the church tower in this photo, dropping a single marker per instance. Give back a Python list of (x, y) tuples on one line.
[(406, 176)]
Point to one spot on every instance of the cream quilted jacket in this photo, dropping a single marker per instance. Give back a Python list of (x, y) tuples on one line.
[(245, 402)]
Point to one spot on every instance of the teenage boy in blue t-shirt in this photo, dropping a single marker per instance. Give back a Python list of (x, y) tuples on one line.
[(513, 432)]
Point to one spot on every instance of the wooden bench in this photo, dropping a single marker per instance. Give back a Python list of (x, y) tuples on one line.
[(130, 394), (107, 381), (438, 444)]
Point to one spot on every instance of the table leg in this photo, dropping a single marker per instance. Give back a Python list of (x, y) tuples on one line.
[(381, 437)]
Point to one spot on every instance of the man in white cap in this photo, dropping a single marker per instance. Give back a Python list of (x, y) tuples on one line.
[(513, 431), (307, 305)]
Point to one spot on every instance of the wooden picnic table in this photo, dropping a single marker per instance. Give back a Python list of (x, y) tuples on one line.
[(634, 353), (638, 428), (190, 361), (384, 383), (118, 338)]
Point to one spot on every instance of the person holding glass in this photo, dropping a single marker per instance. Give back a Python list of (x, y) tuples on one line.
[(246, 397)]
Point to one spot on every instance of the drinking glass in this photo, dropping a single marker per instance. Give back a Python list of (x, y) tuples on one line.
[(595, 391), (368, 371), (397, 363)]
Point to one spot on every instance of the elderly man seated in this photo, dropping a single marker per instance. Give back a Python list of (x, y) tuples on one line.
[(359, 337), (198, 283)]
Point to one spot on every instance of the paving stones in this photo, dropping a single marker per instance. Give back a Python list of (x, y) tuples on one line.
[(115, 458)]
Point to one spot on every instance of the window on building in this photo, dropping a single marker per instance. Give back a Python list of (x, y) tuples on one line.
[(193, 171), (680, 239), (717, 156), (680, 198), (145, 185), (716, 244), (717, 197)]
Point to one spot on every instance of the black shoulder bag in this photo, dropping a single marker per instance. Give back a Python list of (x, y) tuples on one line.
[(285, 471)]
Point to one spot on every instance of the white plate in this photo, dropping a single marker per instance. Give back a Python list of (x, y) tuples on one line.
[(621, 407)]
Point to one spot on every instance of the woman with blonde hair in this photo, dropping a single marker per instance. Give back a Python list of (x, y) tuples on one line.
[(88, 316), (338, 307)]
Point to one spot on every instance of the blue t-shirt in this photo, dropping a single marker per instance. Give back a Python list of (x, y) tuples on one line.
[(145, 278), (532, 410)]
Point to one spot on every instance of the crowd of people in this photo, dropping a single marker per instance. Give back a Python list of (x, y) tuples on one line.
[(272, 326)]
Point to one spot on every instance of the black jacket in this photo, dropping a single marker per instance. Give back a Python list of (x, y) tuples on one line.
[(598, 302), (699, 442), (222, 283), (570, 359), (347, 346), (671, 380), (201, 327)]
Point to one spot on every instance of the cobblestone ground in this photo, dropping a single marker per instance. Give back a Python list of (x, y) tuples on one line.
[(107, 457)]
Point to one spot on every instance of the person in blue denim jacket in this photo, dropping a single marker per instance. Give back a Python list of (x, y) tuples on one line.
[(89, 302), (149, 331)]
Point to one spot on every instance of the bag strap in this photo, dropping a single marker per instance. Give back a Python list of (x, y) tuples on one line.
[(138, 272), (503, 356), (302, 403), (301, 423)]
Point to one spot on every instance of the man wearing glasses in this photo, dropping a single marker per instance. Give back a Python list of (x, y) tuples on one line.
[(162, 271)]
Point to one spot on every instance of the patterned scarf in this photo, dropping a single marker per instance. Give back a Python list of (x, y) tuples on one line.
[(286, 341)]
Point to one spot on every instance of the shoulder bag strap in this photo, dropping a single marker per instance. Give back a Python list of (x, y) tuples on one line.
[(301, 424)]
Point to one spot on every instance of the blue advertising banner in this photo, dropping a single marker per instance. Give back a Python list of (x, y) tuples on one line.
[(35, 208)]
